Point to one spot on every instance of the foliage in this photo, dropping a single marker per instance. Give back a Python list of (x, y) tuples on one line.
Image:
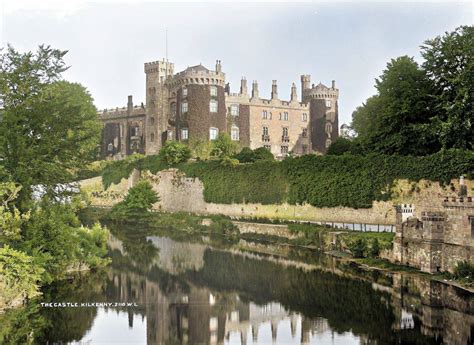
[(229, 162), (115, 171), (247, 155), (140, 199), (261, 182), (420, 109), (449, 64), (49, 127), (11, 219), (174, 152), (343, 145), (200, 148), (223, 146), (358, 248), (19, 274), (374, 248), (464, 270)]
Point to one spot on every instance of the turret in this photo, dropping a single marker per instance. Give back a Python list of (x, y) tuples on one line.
[(333, 85), (294, 96), (255, 89), (218, 66), (243, 86), (305, 84), (274, 90)]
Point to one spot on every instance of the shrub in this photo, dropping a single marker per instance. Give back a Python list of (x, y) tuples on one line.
[(140, 199), (464, 270), (375, 248), (19, 275), (223, 146), (358, 248), (174, 152), (343, 145), (247, 155)]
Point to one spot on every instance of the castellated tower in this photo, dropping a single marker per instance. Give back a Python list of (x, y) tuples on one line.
[(324, 113), (157, 105)]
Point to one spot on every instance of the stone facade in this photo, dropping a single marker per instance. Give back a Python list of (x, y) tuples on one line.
[(197, 104), (439, 238)]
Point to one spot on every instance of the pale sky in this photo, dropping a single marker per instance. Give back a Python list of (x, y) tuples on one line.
[(351, 42)]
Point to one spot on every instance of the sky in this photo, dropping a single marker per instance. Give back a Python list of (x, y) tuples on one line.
[(108, 41)]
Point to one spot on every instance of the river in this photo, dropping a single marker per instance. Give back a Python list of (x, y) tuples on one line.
[(165, 287)]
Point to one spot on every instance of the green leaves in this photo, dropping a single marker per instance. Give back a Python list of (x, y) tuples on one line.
[(174, 152), (139, 200), (49, 127)]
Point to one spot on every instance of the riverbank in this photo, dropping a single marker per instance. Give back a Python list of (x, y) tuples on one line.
[(333, 242)]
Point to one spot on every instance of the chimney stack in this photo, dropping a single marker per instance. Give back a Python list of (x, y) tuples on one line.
[(294, 96), (255, 89), (130, 104), (333, 84), (218, 66), (274, 90), (243, 86), (462, 187)]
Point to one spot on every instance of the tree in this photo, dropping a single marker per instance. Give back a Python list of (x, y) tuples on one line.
[(358, 248), (140, 199), (247, 155), (49, 127), (449, 64), (224, 146), (174, 152), (398, 119), (375, 248), (341, 146)]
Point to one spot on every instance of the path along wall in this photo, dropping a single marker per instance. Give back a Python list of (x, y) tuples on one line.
[(179, 193)]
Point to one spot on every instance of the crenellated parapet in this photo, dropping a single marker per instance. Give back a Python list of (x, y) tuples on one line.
[(458, 201), (199, 75)]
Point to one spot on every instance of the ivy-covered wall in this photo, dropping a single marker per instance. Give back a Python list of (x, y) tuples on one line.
[(322, 181)]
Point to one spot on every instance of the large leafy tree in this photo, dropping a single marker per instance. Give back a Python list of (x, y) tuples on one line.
[(397, 119), (449, 63), (48, 127)]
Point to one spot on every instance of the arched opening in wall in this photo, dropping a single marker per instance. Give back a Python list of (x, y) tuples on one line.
[(328, 128), (234, 133), (173, 110), (328, 143)]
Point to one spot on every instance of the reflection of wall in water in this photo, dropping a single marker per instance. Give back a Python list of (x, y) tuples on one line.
[(178, 257)]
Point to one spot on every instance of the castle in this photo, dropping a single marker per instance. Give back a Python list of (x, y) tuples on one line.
[(196, 104)]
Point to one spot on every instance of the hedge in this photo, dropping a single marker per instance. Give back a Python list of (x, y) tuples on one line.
[(322, 181)]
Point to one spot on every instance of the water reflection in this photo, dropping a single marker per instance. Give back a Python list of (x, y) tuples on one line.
[(198, 290)]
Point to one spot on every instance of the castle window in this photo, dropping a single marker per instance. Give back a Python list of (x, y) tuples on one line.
[(285, 131), (185, 91), (234, 133), (328, 128), (213, 106), (184, 134), (134, 131), (170, 135), (471, 220), (152, 137), (284, 149), (110, 147), (268, 147), (304, 117), (184, 107), (304, 133), (328, 103), (284, 116), (264, 115), (328, 143), (234, 109), (213, 133), (214, 91), (173, 110), (265, 130)]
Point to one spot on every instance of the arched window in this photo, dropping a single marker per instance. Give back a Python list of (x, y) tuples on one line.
[(234, 133), (328, 128), (328, 143)]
